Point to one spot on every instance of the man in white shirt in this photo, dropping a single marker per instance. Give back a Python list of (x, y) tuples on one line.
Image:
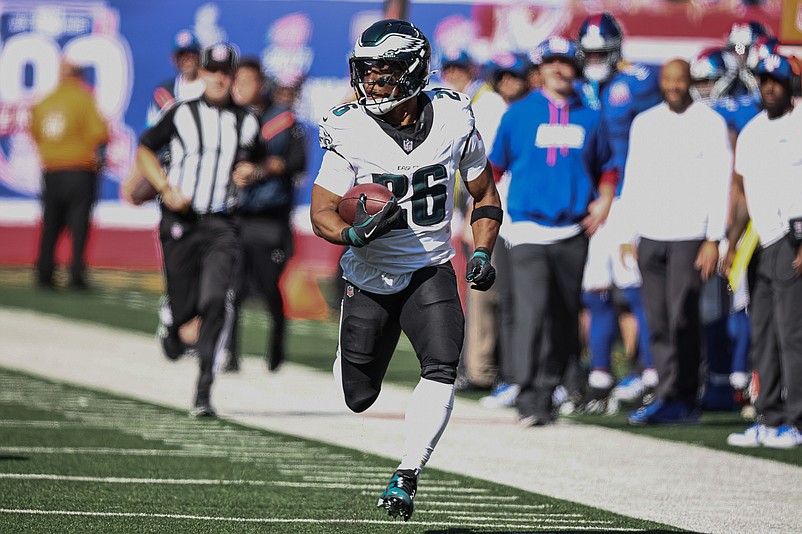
[(675, 199), (769, 157)]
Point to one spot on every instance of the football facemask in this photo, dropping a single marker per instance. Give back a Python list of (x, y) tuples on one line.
[(600, 39), (393, 53), (711, 76)]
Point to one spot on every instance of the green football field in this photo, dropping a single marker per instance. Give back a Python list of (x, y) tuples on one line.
[(77, 460), (130, 301)]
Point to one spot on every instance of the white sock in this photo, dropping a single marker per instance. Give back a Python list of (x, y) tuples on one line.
[(427, 416), (337, 370)]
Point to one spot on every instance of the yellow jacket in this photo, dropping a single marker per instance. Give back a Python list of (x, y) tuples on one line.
[(68, 128)]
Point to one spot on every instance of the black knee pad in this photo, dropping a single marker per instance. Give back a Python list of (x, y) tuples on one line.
[(358, 339), (360, 397), (445, 373), (361, 374)]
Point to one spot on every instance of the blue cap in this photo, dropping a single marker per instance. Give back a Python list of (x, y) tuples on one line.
[(185, 41), (776, 66), (456, 57), (555, 47), (507, 62)]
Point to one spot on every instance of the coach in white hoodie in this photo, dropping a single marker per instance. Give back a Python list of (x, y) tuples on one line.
[(675, 200)]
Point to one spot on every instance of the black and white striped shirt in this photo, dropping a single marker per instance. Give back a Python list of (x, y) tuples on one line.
[(205, 143)]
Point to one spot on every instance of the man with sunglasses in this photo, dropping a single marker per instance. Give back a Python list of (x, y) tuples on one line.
[(397, 268), (207, 138)]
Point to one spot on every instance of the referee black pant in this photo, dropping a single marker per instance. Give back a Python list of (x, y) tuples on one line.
[(200, 256), (266, 248), (671, 288), (67, 200), (776, 305), (547, 281)]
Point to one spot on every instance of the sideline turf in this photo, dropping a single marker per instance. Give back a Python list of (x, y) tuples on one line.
[(119, 300), (77, 460)]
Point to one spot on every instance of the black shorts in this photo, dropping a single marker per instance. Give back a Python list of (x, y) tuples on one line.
[(428, 311)]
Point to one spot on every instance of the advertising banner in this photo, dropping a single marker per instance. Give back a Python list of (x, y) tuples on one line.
[(126, 47)]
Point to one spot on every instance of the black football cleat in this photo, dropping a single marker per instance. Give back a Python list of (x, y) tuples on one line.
[(398, 497)]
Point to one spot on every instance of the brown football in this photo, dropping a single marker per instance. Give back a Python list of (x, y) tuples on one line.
[(376, 195), (137, 190)]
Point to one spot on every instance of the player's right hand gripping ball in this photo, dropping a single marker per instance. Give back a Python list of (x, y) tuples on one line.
[(367, 227), (480, 272)]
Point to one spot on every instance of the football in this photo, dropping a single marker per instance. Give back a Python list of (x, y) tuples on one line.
[(137, 190), (377, 196)]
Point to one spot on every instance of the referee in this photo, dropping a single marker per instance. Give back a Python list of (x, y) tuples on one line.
[(207, 137)]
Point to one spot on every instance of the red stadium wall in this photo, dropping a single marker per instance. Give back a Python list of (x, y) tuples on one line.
[(314, 264)]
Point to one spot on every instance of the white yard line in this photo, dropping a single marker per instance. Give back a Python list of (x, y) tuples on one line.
[(297, 521), (673, 483)]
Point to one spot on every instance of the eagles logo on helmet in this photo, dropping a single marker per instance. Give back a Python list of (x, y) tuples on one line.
[(399, 46)]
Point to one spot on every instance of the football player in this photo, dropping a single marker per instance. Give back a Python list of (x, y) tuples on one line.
[(714, 85), (740, 40), (397, 268), (622, 91)]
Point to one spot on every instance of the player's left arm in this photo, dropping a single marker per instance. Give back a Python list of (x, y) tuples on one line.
[(486, 217)]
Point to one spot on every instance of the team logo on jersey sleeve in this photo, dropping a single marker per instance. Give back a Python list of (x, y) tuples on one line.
[(325, 138), (619, 94)]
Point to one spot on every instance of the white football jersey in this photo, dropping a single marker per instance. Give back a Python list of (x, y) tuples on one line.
[(359, 151)]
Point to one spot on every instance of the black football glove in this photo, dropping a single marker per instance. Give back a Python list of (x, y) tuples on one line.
[(480, 272), (366, 227)]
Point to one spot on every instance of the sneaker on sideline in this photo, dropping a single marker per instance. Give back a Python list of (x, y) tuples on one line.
[(786, 437), (202, 411), (596, 401), (649, 378), (629, 389), (673, 412), (751, 437), (528, 421), (504, 396), (600, 379), (398, 497)]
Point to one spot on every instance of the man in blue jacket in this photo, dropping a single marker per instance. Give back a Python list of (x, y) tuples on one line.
[(563, 179)]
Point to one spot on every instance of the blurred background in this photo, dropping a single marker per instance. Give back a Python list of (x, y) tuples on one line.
[(127, 46)]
